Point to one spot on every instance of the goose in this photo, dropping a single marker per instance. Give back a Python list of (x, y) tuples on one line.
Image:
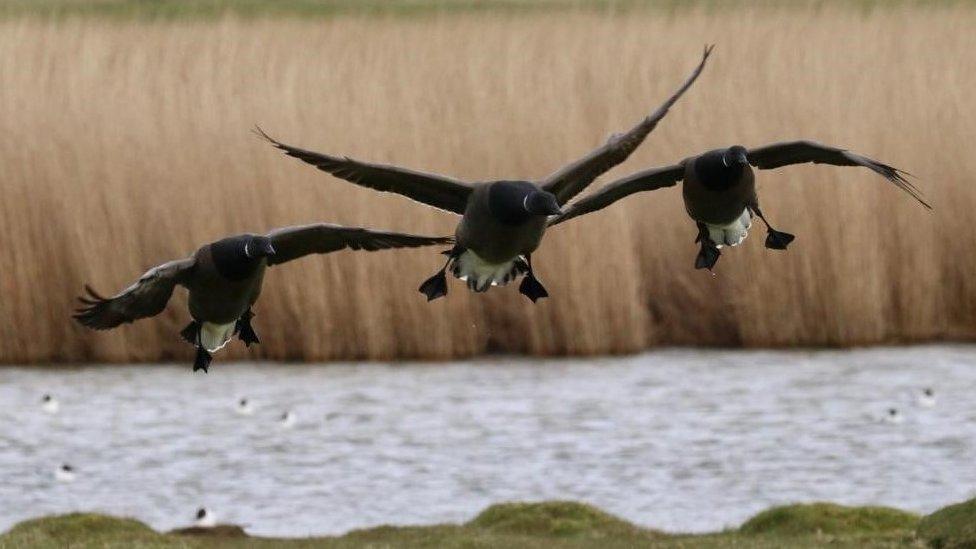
[(65, 473), (205, 518), (287, 419), (224, 280), (244, 407), (926, 398), (502, 222), (720, 194), (50, 405)]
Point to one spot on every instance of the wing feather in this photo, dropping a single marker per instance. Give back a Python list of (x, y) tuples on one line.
[(322, 238), (147, 297), (434, 190), (802, 152), (647, 180), (572, 179)]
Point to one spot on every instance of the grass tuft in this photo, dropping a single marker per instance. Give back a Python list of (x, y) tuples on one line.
[(541, 525), (829, 518), (553, 518), (952, 527), (80, 529)]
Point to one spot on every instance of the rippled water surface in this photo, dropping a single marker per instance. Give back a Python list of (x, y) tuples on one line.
[(679, 440)]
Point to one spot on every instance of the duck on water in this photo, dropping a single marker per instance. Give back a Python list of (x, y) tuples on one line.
[(50, 405)]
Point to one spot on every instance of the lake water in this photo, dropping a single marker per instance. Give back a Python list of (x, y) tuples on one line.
[(682, 440)]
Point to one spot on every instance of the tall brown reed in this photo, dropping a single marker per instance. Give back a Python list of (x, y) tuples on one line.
[(126, 144)]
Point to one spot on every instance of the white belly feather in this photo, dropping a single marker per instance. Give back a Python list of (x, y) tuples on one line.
[(214, 336), (481, 275), (732, 234)]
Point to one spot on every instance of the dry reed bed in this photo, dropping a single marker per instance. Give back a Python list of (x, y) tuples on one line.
[(126, 144)]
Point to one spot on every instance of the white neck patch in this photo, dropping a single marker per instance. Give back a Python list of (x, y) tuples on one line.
[(247, 252), (525, 202)]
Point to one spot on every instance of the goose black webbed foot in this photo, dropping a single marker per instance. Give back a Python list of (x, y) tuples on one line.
[(244, 329), (775, 240), (778, 240), (435, 286), (532, 288), (709, 253), (202, 361), (707, 256)]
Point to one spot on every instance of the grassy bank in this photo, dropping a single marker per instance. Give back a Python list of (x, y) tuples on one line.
[(126, 144), (534, 525), (211, 9)]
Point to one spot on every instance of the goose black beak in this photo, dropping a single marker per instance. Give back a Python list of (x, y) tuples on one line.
[(541, 203), (742, 158), (268, 250), (551, 206)]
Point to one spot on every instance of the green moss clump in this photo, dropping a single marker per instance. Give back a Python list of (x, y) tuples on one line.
[(79, 530), (829, 518), (952, 527), (543, 525), (553, 518)]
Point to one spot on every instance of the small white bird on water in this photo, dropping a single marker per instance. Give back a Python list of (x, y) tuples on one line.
[(926, 399), (287, 419), (893, 417), (244, 407), (65, 473), (50, 404), (205, 519)]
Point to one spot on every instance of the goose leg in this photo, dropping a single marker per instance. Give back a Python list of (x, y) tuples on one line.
[(530, 286), (436, 286), (202, 360), (775, 240), (192, 335), (244, 330), (191, 332), (708, 254)]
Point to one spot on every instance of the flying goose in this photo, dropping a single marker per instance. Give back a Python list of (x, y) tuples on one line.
[(720, 194), (224, 280), (502, 222)]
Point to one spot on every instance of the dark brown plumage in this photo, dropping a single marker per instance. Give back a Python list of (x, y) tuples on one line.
[(224, 280), (720, 194), (502, 221)]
